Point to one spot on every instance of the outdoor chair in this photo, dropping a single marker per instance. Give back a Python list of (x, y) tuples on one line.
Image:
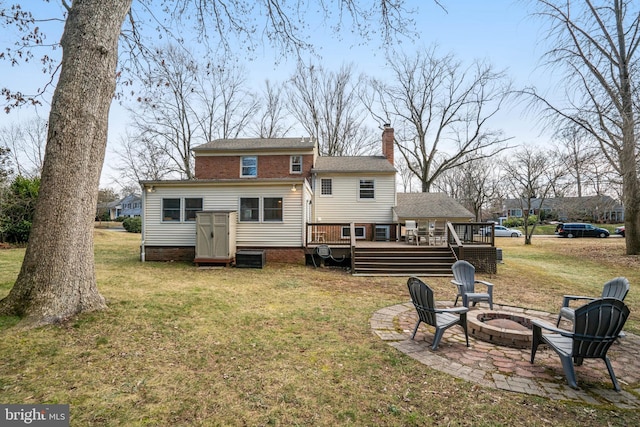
[(423, 233), (615, 288), (410, 230), (440, 318), (464, 278), (596, 326)]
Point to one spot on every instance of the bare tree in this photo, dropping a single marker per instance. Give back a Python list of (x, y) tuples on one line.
[(164, 116), (576, 152), (184, 104), (327, 105), (530, 174), (597, 44), (225, 105), (57, 279), (440, 110), (142, 159), (271, 119), (27, 142), (474, 184)]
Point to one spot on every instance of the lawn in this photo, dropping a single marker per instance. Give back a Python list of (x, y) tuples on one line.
[(284, 345)]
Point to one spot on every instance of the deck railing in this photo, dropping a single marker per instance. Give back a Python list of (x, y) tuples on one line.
[(469, 241), (341, 234), (471, 233)]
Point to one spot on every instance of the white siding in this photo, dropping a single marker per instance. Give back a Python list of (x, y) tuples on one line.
[(345, 206), (262, 234)]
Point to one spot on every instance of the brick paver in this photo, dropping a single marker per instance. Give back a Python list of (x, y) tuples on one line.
[(506, 368)]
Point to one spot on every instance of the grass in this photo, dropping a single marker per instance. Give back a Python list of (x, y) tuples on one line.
[(283, 345)]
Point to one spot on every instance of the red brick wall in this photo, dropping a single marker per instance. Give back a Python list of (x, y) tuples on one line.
[(228, 167), (166, 253), (387, 144)]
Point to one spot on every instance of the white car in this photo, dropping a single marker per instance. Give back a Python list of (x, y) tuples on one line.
[(502, 231)]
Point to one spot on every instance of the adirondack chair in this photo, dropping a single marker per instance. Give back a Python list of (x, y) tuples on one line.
[(440, 318), (596, 326), (615, 288), (464, 278)]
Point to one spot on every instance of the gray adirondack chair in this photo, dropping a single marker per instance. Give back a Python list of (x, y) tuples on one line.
[(596, 326), (464, 278), (615, 288), (440, 318)]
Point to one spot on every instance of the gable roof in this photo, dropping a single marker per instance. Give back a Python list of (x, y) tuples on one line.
[(430, 205), (353, 164), (257, 144)]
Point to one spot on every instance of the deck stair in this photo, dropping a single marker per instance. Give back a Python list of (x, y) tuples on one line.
[(403, 261)]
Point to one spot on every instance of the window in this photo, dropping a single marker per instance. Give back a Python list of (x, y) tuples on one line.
[(296, 164), (367, 189), (326, 187), (272, 209), (171, 209), (250, 209), (249, 166), (191, 206), (358, 229), (515, 212)]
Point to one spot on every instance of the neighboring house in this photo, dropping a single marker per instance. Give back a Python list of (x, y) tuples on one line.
[(131, 206), (263, 194), (589, 208), (113, 209)]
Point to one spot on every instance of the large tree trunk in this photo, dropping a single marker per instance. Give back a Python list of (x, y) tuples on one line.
[(57, 279)]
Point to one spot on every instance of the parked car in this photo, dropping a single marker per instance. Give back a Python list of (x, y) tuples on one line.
[(579, 229), (502, 231), (620, 231)]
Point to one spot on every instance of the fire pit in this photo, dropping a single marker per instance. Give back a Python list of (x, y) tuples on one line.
[(501, 327)]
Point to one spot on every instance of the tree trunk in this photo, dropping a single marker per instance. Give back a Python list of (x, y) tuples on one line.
[(628, 157), (58, 279)]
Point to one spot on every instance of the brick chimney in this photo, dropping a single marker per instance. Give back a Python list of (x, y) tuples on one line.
[(387, 142)]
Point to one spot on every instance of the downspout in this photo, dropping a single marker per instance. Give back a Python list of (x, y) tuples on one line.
[(142, 228)]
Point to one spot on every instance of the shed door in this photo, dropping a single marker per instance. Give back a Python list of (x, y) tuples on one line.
[(204, 235), (212, 235), (220, 234)]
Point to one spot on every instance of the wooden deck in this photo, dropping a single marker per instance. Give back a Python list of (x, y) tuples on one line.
[(401, 258)]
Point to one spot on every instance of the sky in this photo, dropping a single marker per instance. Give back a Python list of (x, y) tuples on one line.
[(499, 31)]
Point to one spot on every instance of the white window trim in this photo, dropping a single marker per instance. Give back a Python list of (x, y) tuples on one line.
[(272, 221), (372, 199), (240, 210), (170, 221), (242, 175), (291, 164), (327, 195), (182, 208), (260, 210)]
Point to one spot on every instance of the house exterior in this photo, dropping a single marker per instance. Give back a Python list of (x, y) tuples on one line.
[(112, 208), (589, 208), (272, 188), (130, 206)]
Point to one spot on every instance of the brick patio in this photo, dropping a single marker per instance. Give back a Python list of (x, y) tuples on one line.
[(506, 368)]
